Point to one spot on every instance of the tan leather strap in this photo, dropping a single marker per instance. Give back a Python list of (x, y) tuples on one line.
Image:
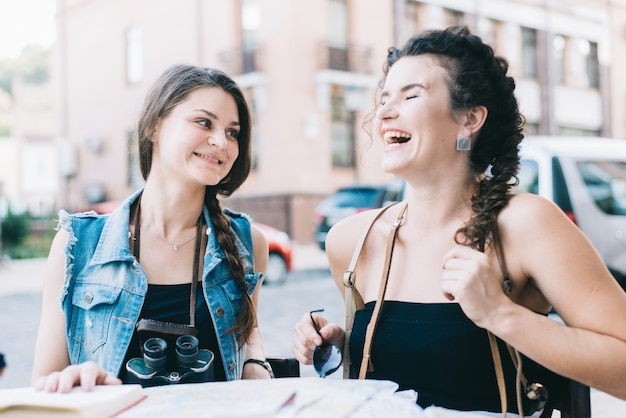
[(366, 362), (519, 377), (497, 364), (515, 356), (349, 279)]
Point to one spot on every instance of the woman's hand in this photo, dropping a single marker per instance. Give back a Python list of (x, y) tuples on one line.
[(87, 375), (305, 338), (473, 280)]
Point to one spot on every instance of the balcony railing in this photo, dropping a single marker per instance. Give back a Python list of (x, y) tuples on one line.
[(352, 58), (240, 61)]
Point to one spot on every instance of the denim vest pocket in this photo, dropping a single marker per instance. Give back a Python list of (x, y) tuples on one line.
[(92, 311), (232, 289), (233, 294)]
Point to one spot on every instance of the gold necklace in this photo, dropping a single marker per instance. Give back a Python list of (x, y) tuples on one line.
[(175, 245)]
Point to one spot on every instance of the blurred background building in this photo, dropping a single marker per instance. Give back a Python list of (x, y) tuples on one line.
[(310, 70)]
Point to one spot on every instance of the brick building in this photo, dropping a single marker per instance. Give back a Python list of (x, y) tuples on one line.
[(309, 69)]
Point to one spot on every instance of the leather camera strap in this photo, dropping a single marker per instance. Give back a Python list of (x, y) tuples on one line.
[(196, 259), (197, 274), (349, 279), (366, 362)]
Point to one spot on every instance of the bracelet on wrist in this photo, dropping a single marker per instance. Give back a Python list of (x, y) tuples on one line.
[(262, 363)]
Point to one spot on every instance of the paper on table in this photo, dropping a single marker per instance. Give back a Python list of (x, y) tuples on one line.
[(284, 398), (102, 401), (239, 398), (335, 398)]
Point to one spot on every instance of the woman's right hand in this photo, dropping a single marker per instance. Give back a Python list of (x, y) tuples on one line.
[(305, 338), (87, 375)]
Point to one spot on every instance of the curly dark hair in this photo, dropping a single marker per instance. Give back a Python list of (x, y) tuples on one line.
[(170, 89), (477, 77)]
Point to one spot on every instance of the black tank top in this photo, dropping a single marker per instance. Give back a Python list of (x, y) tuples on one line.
[(170, 303), (436, 350)]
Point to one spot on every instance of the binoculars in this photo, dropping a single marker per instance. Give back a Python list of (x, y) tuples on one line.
[(156, 368)]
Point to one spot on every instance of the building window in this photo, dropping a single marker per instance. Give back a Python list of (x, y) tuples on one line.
[(338, 35), (488, 30), (250, 23), (338, 23), (254, 139), (558, 58), (452, 17), (342, 131), (134, 54), (411, 20), (572, 131), (531, 128), (593, 65), (529, 52)]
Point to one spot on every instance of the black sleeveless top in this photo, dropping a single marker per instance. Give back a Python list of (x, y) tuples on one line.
[(170, 303), (436, 350)]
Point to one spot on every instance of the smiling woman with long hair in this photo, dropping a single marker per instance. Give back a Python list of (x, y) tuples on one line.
[(471, 260), (169, 255)]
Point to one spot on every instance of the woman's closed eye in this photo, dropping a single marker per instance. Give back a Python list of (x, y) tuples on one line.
[(382, 102)]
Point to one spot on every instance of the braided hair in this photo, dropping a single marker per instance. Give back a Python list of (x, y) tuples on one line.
[(172, 88), (477, 77)]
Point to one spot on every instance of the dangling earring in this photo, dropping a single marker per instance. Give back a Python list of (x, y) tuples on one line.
[(463, 143)]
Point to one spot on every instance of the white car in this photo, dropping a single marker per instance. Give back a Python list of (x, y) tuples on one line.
[(586, 177)]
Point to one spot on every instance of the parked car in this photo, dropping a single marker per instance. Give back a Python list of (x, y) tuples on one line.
[(280, 247), (281, 250), (350, 200), (586, 177)]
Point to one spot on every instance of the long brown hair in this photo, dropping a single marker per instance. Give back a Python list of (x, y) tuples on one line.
[(170, 89)]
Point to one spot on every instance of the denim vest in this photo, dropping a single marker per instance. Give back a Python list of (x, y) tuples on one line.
[(104, 287)]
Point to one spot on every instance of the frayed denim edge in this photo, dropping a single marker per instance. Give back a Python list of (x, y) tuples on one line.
[(65, 222)]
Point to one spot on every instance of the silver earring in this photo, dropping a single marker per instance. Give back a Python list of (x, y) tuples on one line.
[(463, 143)]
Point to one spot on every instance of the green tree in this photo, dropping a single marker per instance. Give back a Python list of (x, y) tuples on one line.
[(7, 70), (33, 66), (14, 229)]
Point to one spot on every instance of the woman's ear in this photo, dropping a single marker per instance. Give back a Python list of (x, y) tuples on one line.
[(155, 132), (475, 119)]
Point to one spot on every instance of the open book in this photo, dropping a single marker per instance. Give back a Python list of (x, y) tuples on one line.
[(103, 402)]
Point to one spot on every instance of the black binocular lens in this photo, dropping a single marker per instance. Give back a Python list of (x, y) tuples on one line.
[(186, 350), (171, 359), (155, 353)]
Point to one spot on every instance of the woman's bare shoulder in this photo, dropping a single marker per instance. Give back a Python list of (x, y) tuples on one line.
[(347, 230), (259, 240), (344, 235), (527, 209)]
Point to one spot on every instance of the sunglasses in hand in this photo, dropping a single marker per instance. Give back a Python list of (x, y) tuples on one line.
[(327, 357)]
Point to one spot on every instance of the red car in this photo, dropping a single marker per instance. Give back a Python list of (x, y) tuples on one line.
[(280, 248)]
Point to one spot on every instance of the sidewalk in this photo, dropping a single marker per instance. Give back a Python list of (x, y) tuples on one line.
[(308, 257), (20, 276)]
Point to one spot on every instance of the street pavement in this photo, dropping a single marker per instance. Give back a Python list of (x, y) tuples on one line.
[(308, 287)]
